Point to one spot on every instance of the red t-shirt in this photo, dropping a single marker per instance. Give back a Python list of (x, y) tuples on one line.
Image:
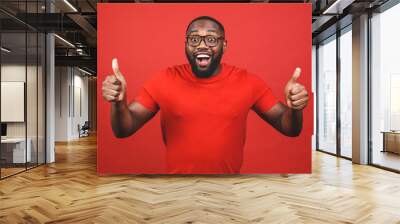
[(203, 121)]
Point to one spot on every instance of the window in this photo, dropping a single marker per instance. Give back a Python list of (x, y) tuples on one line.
[(327, 95), (346, 92), (385, 88)]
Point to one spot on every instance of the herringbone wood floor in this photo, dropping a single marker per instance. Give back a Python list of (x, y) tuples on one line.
[(69, 191)]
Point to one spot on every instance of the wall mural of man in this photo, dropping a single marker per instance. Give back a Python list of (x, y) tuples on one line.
[(204, 104)]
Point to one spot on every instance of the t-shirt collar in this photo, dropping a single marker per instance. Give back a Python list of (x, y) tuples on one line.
[(223, 73)]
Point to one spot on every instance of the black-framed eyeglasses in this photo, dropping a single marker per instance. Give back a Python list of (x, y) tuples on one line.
[(209, 40)]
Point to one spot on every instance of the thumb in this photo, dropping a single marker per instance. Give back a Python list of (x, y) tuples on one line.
[(116, 70), (296, 75)]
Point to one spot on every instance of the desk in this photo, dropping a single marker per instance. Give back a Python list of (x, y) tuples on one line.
[(13, 150), (391, 141)]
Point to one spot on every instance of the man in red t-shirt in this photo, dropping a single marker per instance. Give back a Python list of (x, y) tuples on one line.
[(204, 104)]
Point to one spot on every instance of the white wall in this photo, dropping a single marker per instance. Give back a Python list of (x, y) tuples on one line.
[(80, 102), (13, 73), (61, 103), (71, 102)]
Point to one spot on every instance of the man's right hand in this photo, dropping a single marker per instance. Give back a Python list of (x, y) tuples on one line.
[(114, 86)]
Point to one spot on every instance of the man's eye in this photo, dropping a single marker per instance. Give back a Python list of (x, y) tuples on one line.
[(194, 39), (211, 39)]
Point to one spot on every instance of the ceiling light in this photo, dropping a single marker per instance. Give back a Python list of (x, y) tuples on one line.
[(337, 7), (84, 71), (64, 40), (70, 5), (5, 50)]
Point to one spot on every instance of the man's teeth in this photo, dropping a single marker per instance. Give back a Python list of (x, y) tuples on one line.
[(202, 56)]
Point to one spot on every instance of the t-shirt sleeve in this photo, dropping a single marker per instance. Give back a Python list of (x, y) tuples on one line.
[(144, 98), (265, 99), (150, 93)]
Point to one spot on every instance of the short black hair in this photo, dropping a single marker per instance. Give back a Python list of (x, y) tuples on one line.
[(207, 18)]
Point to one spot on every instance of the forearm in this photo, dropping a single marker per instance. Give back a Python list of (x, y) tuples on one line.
[(292, 122), (122, 121)]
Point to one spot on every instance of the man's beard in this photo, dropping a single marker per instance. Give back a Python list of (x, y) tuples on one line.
[(214, 63)]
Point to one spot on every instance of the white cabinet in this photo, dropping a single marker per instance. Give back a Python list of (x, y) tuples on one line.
[(16, 147)]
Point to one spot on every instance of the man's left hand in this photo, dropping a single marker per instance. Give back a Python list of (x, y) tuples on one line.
[(296, 94)]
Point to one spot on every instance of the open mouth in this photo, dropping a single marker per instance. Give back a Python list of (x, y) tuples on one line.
[(203, 60)]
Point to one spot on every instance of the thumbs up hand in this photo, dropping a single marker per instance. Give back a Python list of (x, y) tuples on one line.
[(296, 94), (114, 86)]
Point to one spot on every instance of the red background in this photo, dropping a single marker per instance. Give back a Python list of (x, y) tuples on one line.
[(270, 40)]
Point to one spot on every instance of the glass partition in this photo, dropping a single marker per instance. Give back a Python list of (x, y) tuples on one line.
[(22, 88), (31, 97), (385, 89), (14, 153), (327, 95)]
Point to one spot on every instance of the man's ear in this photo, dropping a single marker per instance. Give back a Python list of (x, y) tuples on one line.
[(225, 46)]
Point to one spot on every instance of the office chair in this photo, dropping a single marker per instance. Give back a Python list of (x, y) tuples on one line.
[(84, 130)]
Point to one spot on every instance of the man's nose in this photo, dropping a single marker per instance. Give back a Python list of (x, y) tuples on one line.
[(202, 44)]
